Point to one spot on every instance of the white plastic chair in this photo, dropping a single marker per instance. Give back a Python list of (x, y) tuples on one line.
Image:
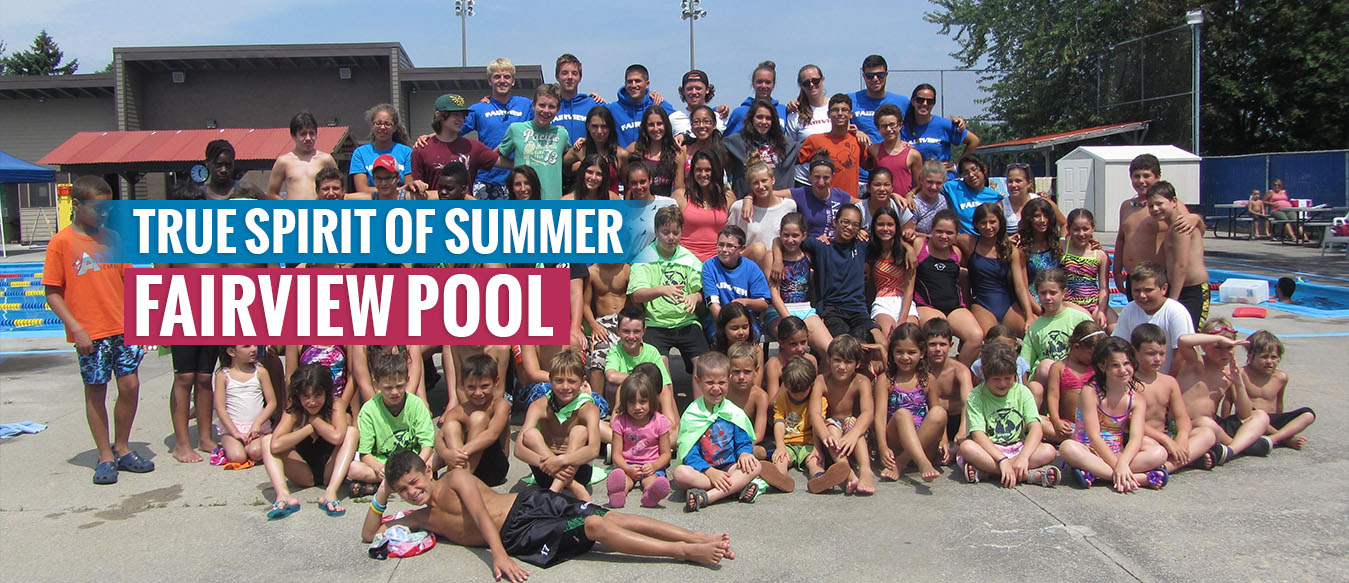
[(1330, 239)]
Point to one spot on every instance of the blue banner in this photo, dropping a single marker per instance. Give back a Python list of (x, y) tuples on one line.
[(249, 231)]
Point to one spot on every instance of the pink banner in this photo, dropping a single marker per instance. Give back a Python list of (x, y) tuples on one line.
[(347, 306)]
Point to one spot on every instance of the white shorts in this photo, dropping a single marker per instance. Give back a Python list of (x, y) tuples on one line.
[(890, 306)]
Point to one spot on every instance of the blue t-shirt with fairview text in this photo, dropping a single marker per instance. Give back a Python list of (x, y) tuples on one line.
[(363, 160), (722, 286), (933, 139), (491, 120), (864, 111), (964, 200)]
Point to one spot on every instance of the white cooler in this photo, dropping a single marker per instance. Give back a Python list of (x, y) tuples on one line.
[(1243, 291)]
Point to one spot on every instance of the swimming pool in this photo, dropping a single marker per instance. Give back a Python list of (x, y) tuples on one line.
[(1316, 300)]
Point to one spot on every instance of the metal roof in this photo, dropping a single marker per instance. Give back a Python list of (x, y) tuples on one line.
[(254, 57), (1051, 140), (162, 150), (527, 77), (56, 86)]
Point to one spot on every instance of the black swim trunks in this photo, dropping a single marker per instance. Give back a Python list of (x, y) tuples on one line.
[(1278, 420), (544, 528)]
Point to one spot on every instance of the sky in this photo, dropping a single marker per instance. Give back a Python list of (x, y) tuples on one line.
[(607, 35)]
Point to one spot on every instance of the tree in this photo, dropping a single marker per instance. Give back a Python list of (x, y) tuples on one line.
[(1271, 79), (43, 58)]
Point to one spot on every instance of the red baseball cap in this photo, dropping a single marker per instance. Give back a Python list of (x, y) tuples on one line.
[(386, 162)]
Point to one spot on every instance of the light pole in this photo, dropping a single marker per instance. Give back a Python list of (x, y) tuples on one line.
[(463, 9), (691, 11), (1194, 18)]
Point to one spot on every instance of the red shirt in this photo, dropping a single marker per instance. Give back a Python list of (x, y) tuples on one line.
[(845, 153), (92, 286), (429, 159)]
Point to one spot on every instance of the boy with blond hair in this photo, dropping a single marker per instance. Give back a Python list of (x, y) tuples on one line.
[(715, 446), (1266, 384), (1215, 391), (561, 432), (841, 412)]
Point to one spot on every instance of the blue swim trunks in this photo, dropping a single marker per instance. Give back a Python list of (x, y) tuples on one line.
[(111, 357)]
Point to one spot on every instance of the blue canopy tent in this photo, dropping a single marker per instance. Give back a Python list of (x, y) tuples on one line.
[(16, 171)]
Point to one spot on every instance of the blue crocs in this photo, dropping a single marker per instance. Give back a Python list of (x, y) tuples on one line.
[(134, 463), (105, 473)]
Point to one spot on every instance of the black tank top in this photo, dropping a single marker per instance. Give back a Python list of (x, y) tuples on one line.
[(937, 282)]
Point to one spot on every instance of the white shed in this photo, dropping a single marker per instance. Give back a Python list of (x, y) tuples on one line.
[(1097, 178)]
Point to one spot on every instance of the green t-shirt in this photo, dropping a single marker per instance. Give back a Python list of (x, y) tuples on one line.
[(1005, 420), (540, 149), (682, 267), (383, 434), (1048, 336), (623, 362)]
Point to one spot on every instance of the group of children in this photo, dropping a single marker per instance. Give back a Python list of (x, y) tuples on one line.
[(850, 389)]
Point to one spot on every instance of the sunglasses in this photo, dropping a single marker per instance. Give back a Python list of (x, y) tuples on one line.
[(812, 82), (877, 75), (925, 100)]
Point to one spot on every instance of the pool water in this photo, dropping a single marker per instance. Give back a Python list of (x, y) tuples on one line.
[(1314, 299)]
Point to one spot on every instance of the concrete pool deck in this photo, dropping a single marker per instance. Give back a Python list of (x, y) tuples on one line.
[(1279, 518)]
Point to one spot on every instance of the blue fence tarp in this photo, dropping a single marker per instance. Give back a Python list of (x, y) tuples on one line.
[(1322, 177)]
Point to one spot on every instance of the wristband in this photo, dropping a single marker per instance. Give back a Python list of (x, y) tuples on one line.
[(377, 507), (1000, 460)]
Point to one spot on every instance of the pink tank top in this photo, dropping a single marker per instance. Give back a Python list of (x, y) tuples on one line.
[(897, 165), (701, 226), (1279, 198)]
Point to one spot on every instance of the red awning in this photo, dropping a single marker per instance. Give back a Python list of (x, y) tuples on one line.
[(177, 147), (1050, 140)]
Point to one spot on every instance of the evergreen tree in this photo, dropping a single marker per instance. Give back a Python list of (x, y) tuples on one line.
[(43, 58)]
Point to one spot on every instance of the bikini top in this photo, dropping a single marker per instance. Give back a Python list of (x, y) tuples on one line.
[(1071, 381)]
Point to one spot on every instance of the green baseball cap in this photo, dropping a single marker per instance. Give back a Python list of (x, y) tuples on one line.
[(451, 102)]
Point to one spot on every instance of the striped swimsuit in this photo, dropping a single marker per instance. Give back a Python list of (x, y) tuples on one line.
[(1083, 274)]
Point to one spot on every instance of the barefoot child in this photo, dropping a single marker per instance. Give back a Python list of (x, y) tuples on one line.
[(1111, 421), (734, 325), (1168, 422), (793, 340), (744, 391), (1066, 379), (86, 292), (392, 421), (1087, 270), (294, 172), (313, 444), (910, 423), (561, 432), (537, 526), (244, 401), (951, 383), (791, 296), (1004, 433), (795, 443), (715, 453), (631, 351), (1266, 384), (1212, 385), (605, 295), (841, 411), (1184, 252), (641, 443), (471, 436)]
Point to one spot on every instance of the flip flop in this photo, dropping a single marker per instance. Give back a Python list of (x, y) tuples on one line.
[(776, 478), (281, 510), (826, 480), (1159, 478), (696, 498), (105, 473), (750, 492), (1084, 478), (331, 508), (134, 463)]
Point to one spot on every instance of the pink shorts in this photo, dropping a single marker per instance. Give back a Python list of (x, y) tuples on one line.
[(1010, 450)]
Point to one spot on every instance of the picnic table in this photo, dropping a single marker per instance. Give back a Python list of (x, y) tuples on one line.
[(1314, 217), (1235, 213)]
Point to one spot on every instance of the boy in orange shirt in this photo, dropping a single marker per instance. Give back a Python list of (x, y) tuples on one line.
[(85, 291), (840, 143)]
